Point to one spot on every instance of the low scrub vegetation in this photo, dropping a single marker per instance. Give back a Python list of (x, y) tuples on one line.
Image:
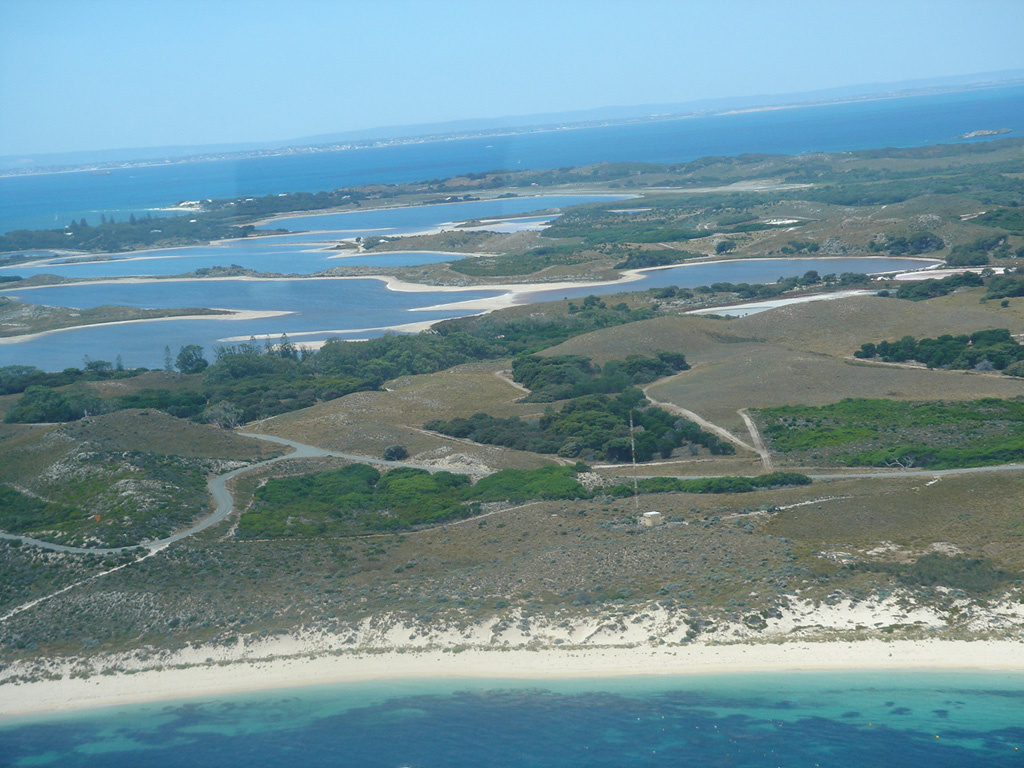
[(20, 513), (867, 432), (969, 574), (725, 484), (358, 499)]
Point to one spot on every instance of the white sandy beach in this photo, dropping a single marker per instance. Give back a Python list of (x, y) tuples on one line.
[(219, 679), (232, 314), (648, 640), (599, 192)]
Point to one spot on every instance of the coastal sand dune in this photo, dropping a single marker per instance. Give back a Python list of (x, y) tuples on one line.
[(652, 641)]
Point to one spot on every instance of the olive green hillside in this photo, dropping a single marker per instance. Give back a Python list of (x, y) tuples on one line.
[(114, 480)]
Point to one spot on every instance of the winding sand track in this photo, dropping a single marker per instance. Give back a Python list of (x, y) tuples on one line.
[(222, 496), (702, 422), (755, 437)]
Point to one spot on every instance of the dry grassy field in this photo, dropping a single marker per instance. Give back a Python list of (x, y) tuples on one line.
[(365, 423), (802, 354)]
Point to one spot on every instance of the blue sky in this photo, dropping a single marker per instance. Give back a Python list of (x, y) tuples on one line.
[(102, 74)]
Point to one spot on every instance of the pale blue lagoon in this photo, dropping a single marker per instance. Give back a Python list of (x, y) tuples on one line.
[(837, 719), (305, 252), (317, 309), (322, 308), (260, 255)]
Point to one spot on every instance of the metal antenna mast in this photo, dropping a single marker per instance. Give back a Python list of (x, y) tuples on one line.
[(632, 451)]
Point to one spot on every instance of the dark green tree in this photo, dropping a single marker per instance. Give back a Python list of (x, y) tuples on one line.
[(395, 453), (190, 359)]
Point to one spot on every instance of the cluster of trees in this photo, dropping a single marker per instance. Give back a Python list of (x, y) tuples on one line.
[(979, 252), (770, 290), (671, 292), (516, 335), (921, 242), (800, 246), (565, 376), (352, 500), (594, 426), (219, 219), (1011, 218), (600, 224), (41, 404), (252, 381), (644, 259), (358, 499), (993, 348), (1005, 286), (112, 236), (18, 378), (919, 290), (745, 290), (267, 205)]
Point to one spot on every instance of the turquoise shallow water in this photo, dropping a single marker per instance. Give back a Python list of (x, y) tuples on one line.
[(879, 718)]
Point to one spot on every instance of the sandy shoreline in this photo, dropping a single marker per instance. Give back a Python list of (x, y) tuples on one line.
[(234, 314), (220, 679), (599, 192)]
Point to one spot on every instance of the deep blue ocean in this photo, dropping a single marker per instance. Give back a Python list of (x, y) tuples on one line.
[(795, 720), (51, 200)]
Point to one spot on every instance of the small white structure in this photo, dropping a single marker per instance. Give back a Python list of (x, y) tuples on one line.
[(651, 519)]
